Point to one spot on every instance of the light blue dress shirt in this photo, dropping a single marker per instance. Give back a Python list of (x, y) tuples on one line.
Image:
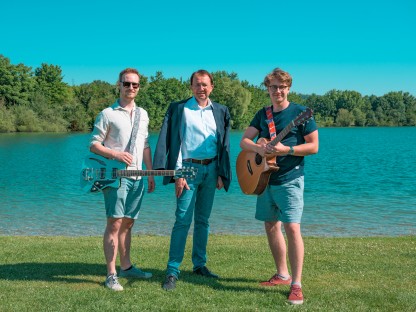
[(198, 132)]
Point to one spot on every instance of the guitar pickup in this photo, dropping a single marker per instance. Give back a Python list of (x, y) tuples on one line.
[(101, 173)]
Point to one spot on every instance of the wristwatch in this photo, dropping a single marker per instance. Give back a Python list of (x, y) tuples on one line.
[(291, 150)]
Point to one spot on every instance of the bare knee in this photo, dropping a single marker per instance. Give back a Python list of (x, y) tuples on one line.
[(127, 223), (292, 230), (113, 225), (272, 226)]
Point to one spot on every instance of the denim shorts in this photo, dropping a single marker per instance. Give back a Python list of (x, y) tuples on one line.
[(125, 201), (281, 202)]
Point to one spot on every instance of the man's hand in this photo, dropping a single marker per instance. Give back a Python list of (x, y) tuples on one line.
[(124, 157), (151, 185), (278, 150), (180, 184), (220, 184)]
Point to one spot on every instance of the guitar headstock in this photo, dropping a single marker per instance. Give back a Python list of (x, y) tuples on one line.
[(187, 172), (304, 116)]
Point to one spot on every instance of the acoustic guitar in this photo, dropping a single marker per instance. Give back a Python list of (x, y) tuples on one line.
[(254, 170)]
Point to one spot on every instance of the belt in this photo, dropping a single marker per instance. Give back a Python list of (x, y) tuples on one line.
[(200, 161)]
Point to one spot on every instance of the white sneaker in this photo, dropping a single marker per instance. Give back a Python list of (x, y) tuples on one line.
[(112, 283)]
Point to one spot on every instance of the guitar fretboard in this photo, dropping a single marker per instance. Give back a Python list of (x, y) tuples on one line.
[(144, 173), (282, 134), (305, 115)]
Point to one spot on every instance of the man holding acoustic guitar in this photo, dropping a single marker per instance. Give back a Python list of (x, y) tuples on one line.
[(273, 168)]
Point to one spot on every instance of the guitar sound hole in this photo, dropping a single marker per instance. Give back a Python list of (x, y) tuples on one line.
[(258, 159)]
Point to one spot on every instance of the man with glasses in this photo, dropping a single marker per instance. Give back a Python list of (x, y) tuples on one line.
[(194, 133), (111, 139), (282, 200)]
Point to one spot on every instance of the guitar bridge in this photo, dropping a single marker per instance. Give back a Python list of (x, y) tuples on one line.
[(86, 174)]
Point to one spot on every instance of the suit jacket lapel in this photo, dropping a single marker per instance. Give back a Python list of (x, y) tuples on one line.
[(217, 117), (181, 107)]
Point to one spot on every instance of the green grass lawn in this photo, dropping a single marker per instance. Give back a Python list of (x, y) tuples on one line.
[(340, 274)]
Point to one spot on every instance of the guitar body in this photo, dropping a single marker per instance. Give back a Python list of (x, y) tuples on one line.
[(98, 173), (253, 172)]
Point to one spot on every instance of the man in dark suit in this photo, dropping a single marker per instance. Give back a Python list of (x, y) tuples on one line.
[(194, 133)]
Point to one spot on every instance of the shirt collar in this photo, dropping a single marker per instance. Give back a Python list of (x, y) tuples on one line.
[(193, 103), (116, 106)]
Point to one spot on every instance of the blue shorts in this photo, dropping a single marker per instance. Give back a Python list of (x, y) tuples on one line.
[(281, 202), (124, 202)]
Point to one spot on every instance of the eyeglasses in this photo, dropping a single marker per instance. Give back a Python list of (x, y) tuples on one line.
[(274, 88), (199, 85), (127, 84)]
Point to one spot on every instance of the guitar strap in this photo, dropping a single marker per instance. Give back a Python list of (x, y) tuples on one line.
[(270, 122), (132, 142)]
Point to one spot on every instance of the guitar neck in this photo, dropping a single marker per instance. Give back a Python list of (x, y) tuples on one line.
[(282, 134), (144, 173)]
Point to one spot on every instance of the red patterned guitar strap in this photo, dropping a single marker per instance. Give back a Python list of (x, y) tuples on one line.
[(270, 122)]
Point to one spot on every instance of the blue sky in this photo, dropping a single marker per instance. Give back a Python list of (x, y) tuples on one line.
[(365, 46)]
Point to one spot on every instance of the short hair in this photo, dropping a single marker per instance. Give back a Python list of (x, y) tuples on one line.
[(280, 75), (128, 71), (202, 72)]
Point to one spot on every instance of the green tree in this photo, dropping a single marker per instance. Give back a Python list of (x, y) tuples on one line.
[(156, 95), (359, 117), (296, 98), (327, 107), (396, 113), (50, 96), (229, 91), (76, 116), (350, 100), (323, 107), (410, 104), (49, 82), (344, 118), (26, 119), (390, 109), (372, 119), (16, 83), (93, 97), (259, 99), (7, 119)]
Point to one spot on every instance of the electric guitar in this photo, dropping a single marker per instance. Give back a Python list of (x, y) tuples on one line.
[(98, 173), (254, 170)]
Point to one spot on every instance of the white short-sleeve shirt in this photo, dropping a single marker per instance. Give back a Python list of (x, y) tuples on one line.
[(113, 127)]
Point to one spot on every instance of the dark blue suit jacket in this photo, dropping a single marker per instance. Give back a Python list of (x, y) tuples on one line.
[(169, 142)]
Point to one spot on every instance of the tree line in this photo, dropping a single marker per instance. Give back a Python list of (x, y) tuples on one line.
[(39, 101)]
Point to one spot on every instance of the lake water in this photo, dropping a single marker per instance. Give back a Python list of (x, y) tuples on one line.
[(361, 183)]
